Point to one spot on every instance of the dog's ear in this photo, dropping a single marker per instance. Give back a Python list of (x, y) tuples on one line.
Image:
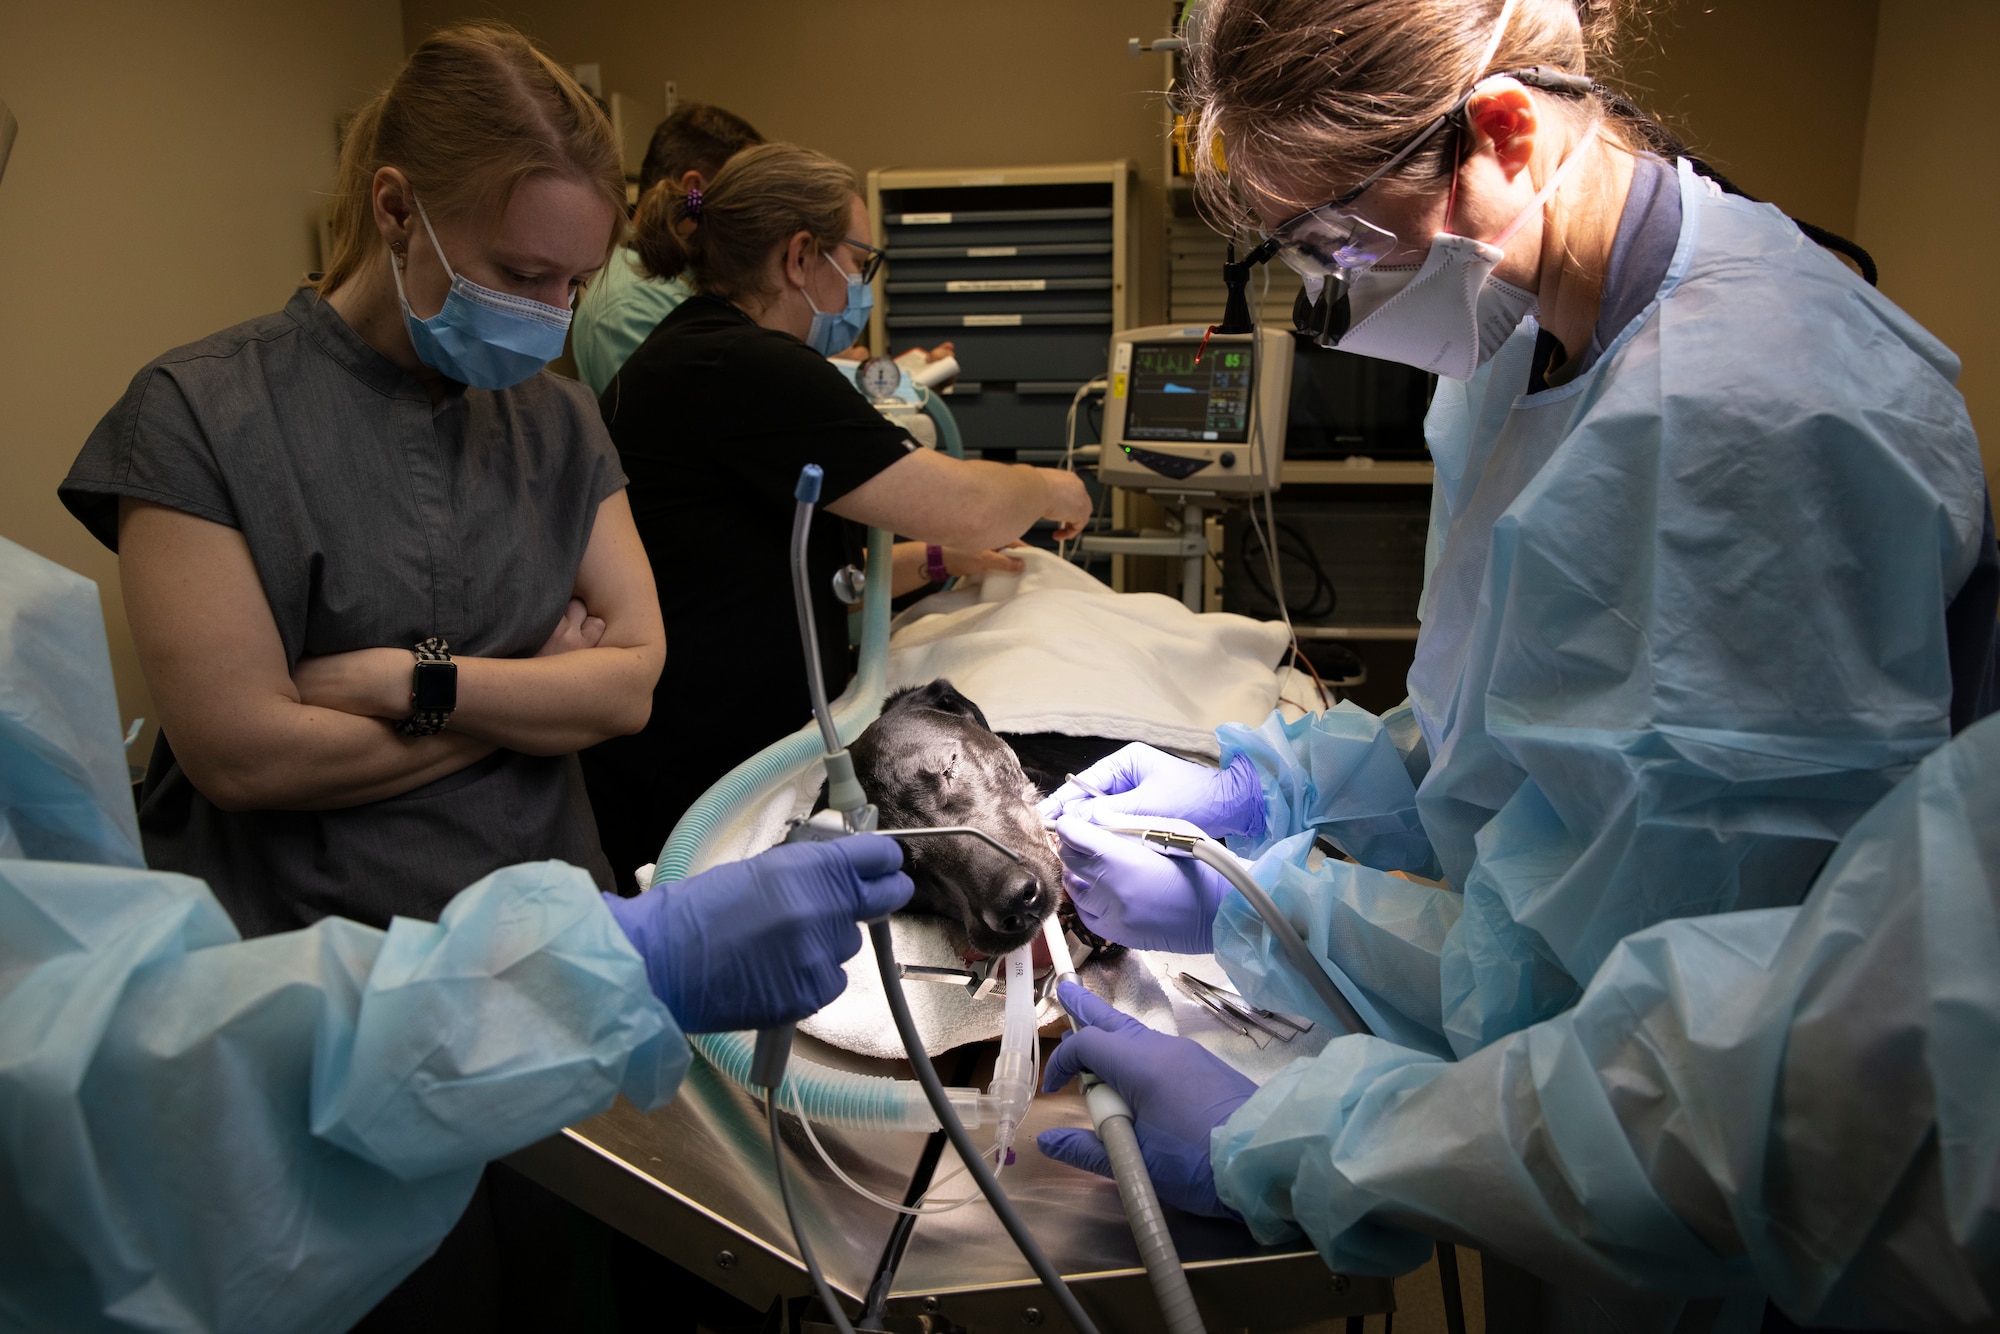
[(909, 697), (942, 696)]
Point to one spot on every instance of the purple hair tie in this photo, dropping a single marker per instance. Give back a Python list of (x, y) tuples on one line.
[(694, 204)]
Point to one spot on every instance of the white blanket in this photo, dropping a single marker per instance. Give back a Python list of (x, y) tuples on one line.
[(1060, 652)]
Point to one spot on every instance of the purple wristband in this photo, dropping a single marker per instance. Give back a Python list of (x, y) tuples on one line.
[(934, 569)]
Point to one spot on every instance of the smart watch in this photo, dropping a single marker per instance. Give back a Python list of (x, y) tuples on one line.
[(934, 567), (433, 690)]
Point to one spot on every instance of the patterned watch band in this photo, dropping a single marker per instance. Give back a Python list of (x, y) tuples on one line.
[(427, 722), (934, 566)]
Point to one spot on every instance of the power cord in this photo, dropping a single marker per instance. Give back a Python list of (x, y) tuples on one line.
[(1325, 596), (1083, 391), (1274, 462)]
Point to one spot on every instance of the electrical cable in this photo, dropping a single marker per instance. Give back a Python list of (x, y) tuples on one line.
[(1325, 596), (920, 1062), (1069, 452), (1274, 462), (833, 1310), (900, 1230)]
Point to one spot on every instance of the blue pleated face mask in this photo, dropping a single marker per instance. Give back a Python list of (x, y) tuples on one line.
[(483, 338), (836, 330)]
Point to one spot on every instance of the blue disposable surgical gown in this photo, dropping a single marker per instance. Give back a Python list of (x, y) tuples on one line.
[(1796, 1102), (1685, 623), (205, 1133)]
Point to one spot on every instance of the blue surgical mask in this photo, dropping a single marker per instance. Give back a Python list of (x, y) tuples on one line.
[(836, 331), (483, 338)]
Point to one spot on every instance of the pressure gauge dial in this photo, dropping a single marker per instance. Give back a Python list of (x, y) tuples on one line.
[(879, 378)]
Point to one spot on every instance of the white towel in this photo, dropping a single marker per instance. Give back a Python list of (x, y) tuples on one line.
[(1063, 653)]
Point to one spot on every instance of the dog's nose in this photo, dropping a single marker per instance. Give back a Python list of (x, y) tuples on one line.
[(1016, 909)]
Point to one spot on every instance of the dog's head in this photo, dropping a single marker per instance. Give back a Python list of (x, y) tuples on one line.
[(930, 759)]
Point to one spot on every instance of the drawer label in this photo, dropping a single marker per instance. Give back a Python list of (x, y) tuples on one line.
[(991, 251), (925, 219), (992, 321), (998, 285)]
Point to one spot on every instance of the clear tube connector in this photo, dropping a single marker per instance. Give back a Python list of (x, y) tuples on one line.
[(1013, 1085)]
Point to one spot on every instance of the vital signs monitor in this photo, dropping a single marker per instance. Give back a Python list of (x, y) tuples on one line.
[(1185, 417)]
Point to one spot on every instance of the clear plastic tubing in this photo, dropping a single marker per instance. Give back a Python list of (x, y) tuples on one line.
[(1014, 1073)]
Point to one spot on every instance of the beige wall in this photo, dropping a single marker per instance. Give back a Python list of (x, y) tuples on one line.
[(164, 186), (1773, 93), (1930, 198), (1774, 90), (881, 83)]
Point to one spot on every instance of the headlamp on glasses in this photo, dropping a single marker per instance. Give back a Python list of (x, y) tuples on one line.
[(1327, 245)]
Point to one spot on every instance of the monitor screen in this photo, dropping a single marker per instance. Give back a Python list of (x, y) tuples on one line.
[(1172, 397)]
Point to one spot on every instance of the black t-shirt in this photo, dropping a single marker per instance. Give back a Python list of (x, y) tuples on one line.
[(713, 417)]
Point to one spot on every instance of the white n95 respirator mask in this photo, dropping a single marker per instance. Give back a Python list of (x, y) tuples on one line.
[(1448, 315)]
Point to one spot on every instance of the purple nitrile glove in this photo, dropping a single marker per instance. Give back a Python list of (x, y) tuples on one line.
[(1140, 780), (1134, 894), (757, 943), (1177, 1089)]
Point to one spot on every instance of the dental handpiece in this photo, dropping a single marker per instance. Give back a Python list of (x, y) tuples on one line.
[(1216, 857)]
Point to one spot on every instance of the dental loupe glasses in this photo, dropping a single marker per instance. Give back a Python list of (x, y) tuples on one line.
[(1328, 244)]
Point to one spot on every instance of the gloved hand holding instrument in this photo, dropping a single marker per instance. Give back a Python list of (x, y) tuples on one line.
[(1175, 908), (1142, 781), (1130, 894), (1177, 1089), (757, 943)]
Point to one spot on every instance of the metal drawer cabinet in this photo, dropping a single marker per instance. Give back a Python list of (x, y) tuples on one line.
[(1027, 271)]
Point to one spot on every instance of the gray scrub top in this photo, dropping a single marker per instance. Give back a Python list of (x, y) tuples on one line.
[(375, 519)]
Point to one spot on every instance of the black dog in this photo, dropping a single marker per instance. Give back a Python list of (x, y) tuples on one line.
[(930, 759)]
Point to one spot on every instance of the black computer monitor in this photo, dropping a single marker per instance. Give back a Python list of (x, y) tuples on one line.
[(1344, 405)]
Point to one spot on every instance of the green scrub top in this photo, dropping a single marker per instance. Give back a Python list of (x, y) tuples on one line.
[(619, 309)]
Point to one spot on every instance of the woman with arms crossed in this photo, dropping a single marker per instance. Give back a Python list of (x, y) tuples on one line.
[(307, 505), (357, 538)]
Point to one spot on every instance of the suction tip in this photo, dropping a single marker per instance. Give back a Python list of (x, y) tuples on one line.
[(807, 491)]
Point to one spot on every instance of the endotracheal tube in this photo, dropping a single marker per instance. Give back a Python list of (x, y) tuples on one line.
[(1014, 1073)]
